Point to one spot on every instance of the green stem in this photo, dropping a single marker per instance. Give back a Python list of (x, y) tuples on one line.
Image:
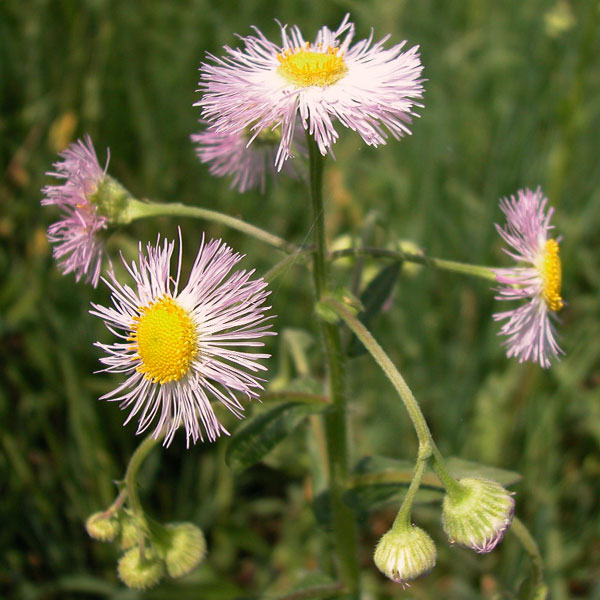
[(139, 210), (402, 520), (343, 520), (130, 475), (427, 446), (439, 263), (525, 538)]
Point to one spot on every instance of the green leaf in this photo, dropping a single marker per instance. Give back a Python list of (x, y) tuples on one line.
[(373, 298), (261, 433), (378, 481)]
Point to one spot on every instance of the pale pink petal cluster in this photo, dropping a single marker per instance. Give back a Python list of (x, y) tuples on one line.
[(249, 164), (79, 247), (375, 93), (536, 278), (228, 313)]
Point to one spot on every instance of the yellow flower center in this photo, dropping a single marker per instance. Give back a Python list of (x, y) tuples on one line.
[(304, 68), (552, 276), (165, 340)]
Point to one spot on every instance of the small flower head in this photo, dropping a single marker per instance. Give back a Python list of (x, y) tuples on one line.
[(480, 516), (536, 278), (103, 528), (249, 164), (405, 555), (139, 569), (363, 86), (183, 547), (180, 348), (79, 246)]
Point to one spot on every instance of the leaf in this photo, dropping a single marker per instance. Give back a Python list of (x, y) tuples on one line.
[(373, 298), (261, 433), (378, 481)]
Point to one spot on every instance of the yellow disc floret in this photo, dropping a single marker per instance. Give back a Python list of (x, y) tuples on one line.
[(165, 340), (304, 67), (552, 276)]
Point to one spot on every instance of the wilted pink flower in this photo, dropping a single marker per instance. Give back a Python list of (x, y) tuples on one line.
[(537, 278), (248, 164), (264, 86), (180, 348), (79, 245)]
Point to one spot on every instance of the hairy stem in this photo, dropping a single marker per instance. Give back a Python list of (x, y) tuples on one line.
[(343, 520)]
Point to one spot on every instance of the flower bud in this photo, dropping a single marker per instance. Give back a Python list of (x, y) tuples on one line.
[(186, 549), (405, 555), (102, 528), (480, 516), (130, 531), (140, 571)]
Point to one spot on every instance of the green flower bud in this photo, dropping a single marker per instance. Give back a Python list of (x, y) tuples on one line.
[(140, 571), (186, 549), (112, 201), (480, 516), (102, 528), (130, 531), (405, 555)]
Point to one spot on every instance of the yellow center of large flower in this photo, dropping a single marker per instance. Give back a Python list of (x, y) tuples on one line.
[(304, 68), (552, 276), (165, 340)]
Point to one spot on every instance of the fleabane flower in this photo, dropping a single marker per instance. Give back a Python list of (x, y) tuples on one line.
[(180, 348), (536, 278), (79, 246), (248, 164), (363, 86)]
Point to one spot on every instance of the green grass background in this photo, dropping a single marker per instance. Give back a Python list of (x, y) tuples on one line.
[(512, 100)]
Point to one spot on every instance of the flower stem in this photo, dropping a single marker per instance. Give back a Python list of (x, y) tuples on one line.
[(344, 523), (529, 545), (130, 475), (402, 520), (141, 209), (439, 263), (427, 446)]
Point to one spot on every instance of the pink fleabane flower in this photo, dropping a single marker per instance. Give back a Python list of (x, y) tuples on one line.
[(248, 164), (181, 348), (79, 246), (537, 278), (263, 86)]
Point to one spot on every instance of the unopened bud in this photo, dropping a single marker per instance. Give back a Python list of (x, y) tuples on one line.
[(102, 528), (130, 531), (186, 549), (140, 570), (480, 516), (405, 555)]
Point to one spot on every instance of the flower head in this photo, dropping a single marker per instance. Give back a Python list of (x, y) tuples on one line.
[(480, 516), (180, 348), (405, 555), (248, 164), (537, 278), (363, 86), (79, 246)]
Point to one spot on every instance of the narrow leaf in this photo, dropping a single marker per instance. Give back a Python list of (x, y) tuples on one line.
[(261, 433), (373, 298)]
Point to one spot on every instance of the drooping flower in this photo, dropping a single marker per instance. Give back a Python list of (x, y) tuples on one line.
[(537, 278), (79, 246), (479, 517), (364, 86), (182, 348), (248, 164), (405, 554)]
